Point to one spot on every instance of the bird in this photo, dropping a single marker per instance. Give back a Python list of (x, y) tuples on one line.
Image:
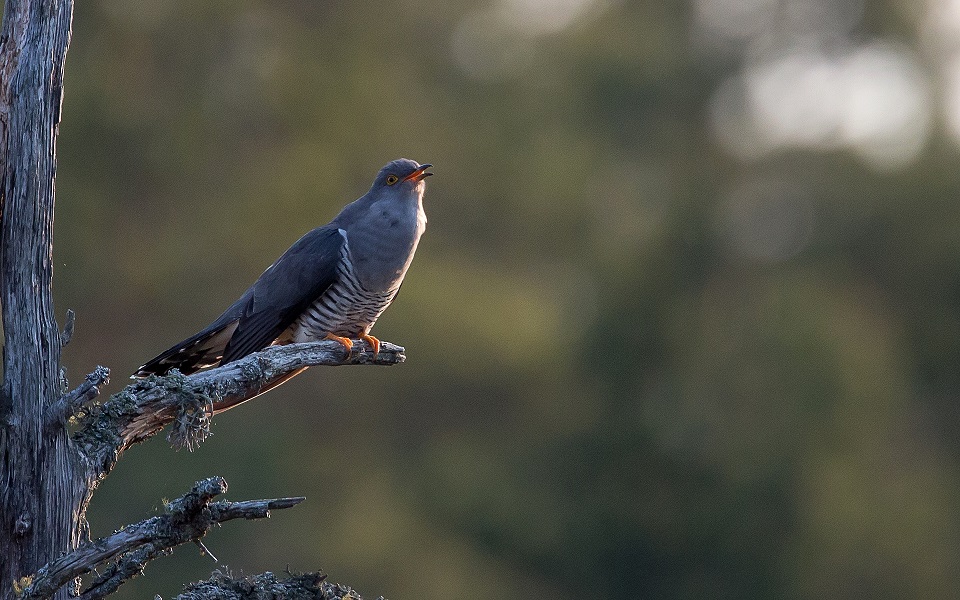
[(331, 284)]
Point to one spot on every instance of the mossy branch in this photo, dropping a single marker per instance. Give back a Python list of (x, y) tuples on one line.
[(267, 585), (142, 409)]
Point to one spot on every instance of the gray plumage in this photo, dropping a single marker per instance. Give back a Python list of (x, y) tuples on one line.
[(337, 279)]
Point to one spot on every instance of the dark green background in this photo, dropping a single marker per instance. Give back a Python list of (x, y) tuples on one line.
[(640, 365)]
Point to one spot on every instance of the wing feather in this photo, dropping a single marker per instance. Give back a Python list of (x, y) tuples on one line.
[(285, 290)]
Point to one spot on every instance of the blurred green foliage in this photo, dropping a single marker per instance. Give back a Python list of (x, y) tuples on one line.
[(618, 385)]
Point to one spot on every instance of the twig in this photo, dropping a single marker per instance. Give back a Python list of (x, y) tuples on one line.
[(67, 334), (188, 518), (140, 410), (204, 551), (73, 401)]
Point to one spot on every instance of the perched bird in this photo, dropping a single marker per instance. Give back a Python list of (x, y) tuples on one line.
[(333, 283)]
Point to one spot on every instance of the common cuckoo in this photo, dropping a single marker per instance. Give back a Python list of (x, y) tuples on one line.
[(333, 283)]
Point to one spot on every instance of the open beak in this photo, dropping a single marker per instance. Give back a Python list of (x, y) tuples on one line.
[(419, 174)]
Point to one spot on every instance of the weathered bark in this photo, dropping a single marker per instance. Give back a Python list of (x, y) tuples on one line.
[(42, 493)]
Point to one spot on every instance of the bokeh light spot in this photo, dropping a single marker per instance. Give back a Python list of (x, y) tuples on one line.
[(875, 101)]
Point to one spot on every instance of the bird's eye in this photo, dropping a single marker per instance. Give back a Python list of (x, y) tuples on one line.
[(392, 179)]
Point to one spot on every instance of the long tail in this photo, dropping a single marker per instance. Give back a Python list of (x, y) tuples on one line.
[(204, 349)]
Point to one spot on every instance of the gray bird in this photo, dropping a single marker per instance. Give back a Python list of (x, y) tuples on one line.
[(333, 283)]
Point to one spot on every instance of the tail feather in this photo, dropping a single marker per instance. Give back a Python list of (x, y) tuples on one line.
[(204, 349)]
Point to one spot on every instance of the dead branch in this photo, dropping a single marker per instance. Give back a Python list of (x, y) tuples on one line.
[(187, 519), (142, 409)]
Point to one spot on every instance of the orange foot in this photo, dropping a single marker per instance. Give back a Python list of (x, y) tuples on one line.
[(345, 342), (374, 343)]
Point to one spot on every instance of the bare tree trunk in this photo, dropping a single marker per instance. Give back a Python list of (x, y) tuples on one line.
[(42, 493)]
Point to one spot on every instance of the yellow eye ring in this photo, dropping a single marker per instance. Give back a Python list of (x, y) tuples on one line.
[(392, 179)]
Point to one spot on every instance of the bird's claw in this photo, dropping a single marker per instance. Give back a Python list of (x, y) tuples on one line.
[(374, 343), (345, 342)]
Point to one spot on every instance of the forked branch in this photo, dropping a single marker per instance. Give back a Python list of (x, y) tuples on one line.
[(187, 519)]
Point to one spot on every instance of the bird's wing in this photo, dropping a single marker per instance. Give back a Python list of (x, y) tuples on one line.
[(285, 290)]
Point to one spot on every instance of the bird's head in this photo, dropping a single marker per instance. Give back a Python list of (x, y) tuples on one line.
[(402, 176)]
